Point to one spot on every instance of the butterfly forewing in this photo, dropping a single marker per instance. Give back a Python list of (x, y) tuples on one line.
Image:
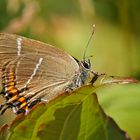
[(46, 71)]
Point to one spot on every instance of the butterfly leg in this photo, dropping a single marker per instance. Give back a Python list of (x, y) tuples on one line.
[(96, 76)]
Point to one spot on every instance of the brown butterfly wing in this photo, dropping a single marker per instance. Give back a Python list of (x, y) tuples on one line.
[(44, 69)]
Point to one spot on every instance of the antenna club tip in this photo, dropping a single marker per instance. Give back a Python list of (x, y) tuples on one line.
[(93, 25)]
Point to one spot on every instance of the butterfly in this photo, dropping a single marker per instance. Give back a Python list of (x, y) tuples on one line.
[(32, 71)]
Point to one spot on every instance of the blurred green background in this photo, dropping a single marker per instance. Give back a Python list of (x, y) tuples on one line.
[(115, 47)]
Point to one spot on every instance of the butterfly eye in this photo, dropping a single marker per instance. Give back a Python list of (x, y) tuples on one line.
[(86, 64)]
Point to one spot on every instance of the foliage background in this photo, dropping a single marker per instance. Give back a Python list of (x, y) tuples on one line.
[(67, 25)]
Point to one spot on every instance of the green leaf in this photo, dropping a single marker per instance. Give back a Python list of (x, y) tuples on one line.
[(122, 103), (76, 116)]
